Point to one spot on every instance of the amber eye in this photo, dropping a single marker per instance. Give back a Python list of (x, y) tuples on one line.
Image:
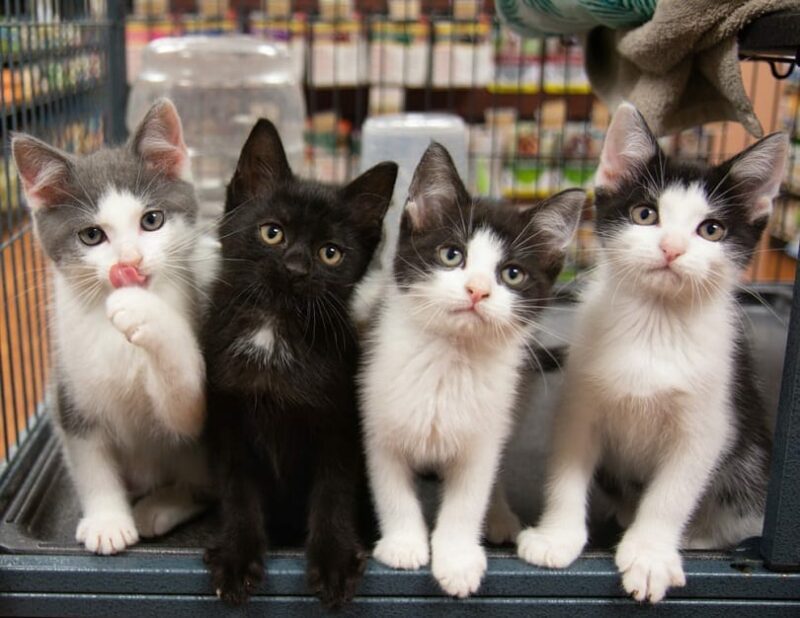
[(271, 233), (331, 255), (152, 220), (711, 230), (644, 215), (92, 236), (450, 256), (513, 275)]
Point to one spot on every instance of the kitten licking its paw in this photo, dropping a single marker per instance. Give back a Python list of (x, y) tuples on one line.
[(128, 261), (443, 364), (659, 403)]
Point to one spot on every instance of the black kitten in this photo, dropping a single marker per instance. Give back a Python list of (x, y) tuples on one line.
[(281, 353)]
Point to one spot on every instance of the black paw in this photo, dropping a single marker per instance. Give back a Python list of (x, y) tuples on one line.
[(334, 572), (234, 578)]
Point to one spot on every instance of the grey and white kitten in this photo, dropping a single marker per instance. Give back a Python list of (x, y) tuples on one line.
[(659, 403), (129, 267)]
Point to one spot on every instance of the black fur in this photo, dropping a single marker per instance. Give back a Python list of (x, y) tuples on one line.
[(283, 430)]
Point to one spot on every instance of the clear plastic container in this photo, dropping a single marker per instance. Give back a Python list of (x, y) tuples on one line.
[(221, 86), (403, 138)]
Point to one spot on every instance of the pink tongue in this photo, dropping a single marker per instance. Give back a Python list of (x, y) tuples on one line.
[(122, 275)]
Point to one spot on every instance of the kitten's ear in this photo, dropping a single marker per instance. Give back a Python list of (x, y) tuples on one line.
[(628, 146), (757, 172), (555, 220), (44, 171), (262, 162), (370, 195), (158, 141), (435, 187)]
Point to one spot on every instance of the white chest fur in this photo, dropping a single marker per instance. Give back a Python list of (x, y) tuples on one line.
[(652, 375), (105, 373), (429, 397)]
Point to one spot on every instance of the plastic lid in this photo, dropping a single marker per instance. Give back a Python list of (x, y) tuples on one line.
[(217, 60), (416, 122)]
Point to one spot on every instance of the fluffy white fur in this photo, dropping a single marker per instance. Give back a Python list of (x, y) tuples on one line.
[(131, 362), (647, 387), (437, 393)]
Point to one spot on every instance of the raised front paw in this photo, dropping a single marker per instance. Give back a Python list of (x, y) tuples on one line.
[(334, 571), (133, 311), (458, 567), (554, 548), (107, 533), (648, 567), (234, 577), (402, 551)]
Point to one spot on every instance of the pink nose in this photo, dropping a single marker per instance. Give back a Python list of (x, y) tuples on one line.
[(477, 293), (671, 253)]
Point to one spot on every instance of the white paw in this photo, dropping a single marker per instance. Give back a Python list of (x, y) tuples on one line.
[(502, 527), (402, 551), (132, 311), (107, 533), (554, 548), (160, 512), (459, 568), (648, 568)]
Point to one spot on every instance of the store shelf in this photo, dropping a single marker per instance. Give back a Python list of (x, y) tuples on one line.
[(80, 97)]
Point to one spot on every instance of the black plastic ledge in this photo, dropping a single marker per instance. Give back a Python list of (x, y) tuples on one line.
[(773, 35)]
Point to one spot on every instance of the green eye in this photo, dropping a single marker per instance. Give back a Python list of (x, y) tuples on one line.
[(644, 215), (711, 230), (331, 255), (271, 233), (513, 275), (451, 257), (92, 236), (152, 220)]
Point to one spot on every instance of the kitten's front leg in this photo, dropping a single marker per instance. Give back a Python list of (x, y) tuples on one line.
[(559, 537), (237, 561), (458, 559), (176, 373), (648, 556), (336, 558), (404, 535), (107, 525)]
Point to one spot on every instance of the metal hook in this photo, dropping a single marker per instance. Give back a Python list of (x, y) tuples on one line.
[(773, 67)]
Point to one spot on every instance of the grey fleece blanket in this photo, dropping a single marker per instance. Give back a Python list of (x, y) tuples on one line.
[(681, 68)]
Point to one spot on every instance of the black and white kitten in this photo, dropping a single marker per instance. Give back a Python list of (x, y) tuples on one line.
[(444, 361), (659, 395), (282, 353), (130, 267)]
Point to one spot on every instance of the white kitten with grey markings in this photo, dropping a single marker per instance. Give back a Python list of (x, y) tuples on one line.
[(129, 268), (659, 398), (442, 365)]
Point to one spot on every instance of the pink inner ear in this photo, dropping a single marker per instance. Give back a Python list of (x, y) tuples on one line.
[(161, 145)]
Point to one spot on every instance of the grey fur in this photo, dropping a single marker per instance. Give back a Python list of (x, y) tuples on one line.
[(88, 179)]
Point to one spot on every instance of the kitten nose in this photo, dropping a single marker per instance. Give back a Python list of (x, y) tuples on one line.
[(130, 257), (478, 289), (671, 251), (296, 267)]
